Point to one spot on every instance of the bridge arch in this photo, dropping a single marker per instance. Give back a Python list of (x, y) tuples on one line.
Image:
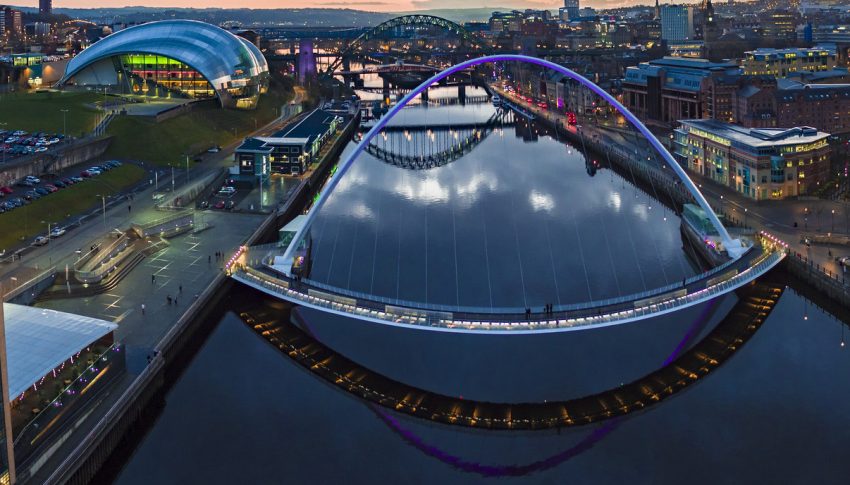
[(733, 246), (404, 20)]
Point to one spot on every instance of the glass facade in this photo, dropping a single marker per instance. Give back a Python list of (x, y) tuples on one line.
[(170, 58), (162, 76)]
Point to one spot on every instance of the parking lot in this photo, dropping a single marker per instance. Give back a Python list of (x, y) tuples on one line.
[(18, 143), (31, 188)]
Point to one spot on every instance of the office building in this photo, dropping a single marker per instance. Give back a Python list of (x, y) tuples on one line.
[(677, 23)]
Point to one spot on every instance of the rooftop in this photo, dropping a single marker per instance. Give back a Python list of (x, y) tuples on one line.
[(38, 340), (311, 125), (757, 137)]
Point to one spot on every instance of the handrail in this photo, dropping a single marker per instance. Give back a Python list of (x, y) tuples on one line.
[(501, 310), (510, 321)]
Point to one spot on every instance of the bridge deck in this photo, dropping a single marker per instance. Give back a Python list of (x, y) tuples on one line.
[(698, 289)]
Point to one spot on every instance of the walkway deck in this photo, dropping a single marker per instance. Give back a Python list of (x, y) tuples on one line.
[(616, 311)]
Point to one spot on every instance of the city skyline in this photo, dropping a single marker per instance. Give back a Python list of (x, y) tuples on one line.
[(364, 5)]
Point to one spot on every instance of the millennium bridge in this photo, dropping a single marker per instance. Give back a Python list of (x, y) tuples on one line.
[(268, 268)]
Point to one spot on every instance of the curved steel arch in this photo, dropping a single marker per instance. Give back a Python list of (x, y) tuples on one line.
[(418, 19), (732, 246)]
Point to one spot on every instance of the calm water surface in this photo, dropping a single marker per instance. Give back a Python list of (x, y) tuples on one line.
[(529, 215)]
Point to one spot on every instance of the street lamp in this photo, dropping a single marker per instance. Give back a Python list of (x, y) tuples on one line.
[(103, 201), (833, 220), (64, 124), (745, 217)]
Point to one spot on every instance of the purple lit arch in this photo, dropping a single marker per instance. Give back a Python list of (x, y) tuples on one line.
[(733, 247)]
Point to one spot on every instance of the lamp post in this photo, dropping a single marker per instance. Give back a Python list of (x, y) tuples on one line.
[(64, 124), (103, 205), (745, 216), (833, 220)]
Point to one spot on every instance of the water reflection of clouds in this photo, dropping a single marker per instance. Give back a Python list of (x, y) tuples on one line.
[(541, 202)]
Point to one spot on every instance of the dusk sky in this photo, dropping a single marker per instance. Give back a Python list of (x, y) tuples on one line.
[(372, 5)]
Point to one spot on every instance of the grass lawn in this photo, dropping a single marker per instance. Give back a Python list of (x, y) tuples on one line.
[(171, 140), (31, 111), (25, 222)]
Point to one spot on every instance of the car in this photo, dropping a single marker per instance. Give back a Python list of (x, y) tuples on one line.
[(41, 190), (60, 184), (76, 179), (219, 205), (7, 206), (17, 201), (214, 149), (40, 241), (30, 195), (227, 190), (26, 183), (229, 205), (51, 188), (57, 232), (86, 174), (33, 179), (67, 181), (7, 190)]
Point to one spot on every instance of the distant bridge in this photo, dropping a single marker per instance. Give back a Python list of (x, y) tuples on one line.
[(397, 67), (401, 22)]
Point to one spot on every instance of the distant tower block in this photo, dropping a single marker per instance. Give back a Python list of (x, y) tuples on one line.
[(306, 61)]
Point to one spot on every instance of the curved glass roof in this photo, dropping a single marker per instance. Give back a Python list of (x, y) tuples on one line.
[(215, 53)]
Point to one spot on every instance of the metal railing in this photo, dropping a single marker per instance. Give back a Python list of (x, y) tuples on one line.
[(505, 322), (745, 258)]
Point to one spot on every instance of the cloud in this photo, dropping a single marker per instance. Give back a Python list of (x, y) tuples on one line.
[(355, 3), (453, 4)]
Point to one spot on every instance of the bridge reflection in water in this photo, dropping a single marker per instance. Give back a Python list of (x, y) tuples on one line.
[(756, 301), (433, 146)]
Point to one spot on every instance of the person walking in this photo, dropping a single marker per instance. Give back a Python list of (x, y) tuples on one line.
[(153, 278), (143, 308), (168, 299), (180, 288)]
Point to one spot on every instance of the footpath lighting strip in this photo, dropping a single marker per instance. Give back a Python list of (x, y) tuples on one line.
[(420, 318)]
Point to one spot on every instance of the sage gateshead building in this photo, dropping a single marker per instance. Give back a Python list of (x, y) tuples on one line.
[(173, 58)]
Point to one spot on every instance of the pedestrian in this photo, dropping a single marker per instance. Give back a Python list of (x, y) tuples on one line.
[(143, 308), (180, 288), (153, 278), (175, 301), (168, 298), (209, 259)]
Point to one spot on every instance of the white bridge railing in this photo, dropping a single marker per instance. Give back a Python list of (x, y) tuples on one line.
[(511, 323)]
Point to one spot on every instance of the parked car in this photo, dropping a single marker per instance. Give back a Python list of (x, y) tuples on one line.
[(86, 174), (25, 183), (67, 181), (18, 201), (41, 190), (33, 179), (76, 179), (7, 190), (41, 241), (60, 184), (219, 204), (51, 188)]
